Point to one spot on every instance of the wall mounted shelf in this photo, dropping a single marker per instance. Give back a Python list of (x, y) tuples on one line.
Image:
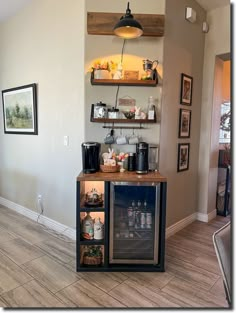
[(100, 23), (122, 82), (110, 123), (122, 121)]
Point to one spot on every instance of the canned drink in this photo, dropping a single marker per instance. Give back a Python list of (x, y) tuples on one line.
[(143, 220), (149, 220)]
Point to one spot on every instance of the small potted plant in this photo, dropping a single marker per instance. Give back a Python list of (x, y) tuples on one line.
[(93, 256)]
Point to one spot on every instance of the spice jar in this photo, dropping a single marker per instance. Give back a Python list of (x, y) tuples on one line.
[(113, 113)]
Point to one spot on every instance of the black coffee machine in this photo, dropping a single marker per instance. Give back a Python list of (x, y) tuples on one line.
[(142, 158), (90, 157)]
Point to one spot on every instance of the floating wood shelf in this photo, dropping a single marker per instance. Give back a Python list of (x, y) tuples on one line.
[(123, 82), (100, 23)]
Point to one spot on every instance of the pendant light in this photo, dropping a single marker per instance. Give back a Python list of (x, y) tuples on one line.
[(128, 27)]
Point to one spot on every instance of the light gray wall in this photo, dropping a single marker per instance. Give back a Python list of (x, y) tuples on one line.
[(217, 43), (44, 44), (109, 48), (183, 53)]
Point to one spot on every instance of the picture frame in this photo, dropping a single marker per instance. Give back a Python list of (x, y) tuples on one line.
[(184, 123), (186, 89), (20, 110), (183, 157)]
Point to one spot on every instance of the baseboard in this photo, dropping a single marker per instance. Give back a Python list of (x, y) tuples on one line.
[(71, 233), (171, 230), (58, 227), (202, 217)]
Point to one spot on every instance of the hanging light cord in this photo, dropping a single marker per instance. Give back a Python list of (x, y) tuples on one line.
[(121, 61)]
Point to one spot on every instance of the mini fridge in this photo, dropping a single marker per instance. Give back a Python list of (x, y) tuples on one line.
[(134, 223)]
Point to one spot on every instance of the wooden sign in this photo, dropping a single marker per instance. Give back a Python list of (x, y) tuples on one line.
[(127, 102), (131, 75)]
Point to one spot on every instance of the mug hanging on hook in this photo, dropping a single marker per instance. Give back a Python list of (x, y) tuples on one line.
[(109, 139)]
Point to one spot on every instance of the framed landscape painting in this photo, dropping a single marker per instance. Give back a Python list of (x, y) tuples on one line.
[(20, 110), (183, 157)]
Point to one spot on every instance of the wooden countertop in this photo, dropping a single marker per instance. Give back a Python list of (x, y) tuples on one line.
[(122, 177)]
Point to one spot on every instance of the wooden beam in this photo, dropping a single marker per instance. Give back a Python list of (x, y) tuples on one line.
[(100, 23)]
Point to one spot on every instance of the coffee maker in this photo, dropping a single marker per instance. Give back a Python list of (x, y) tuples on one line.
[(90, 157), (142, 158)]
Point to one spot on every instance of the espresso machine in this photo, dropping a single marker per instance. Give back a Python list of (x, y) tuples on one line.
[(142, 158)]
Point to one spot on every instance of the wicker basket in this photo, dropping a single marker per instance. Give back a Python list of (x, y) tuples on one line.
[(109, 169), (92, 260)]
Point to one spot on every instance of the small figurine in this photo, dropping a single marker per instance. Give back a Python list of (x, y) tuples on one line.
[(137, 112)]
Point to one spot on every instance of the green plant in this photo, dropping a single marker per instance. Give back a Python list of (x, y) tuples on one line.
[(94, 251)]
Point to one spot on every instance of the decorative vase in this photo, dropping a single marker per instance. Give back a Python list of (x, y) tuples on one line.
[(101, 74)]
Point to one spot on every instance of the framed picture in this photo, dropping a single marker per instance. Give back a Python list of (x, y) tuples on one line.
[(184, 123), (20, 110), (186, 89), (183, 157)]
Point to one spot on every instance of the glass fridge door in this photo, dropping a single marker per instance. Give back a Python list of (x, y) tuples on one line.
[(134, 223)]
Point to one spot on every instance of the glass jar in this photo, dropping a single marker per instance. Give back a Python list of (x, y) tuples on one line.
[(99, 110), (113, 113)]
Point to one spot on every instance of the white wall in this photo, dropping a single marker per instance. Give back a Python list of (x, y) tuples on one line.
[(183, 53), (44, 44), (217, 43), (109, 48)]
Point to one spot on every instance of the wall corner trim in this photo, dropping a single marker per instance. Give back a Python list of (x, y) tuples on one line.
[(203, 217), (171, 230), (43, 220)]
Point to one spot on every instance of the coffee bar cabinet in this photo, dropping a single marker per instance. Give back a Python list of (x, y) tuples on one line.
[(121, 221)]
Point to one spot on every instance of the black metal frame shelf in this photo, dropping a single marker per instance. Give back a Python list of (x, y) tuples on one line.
[(106, 266)]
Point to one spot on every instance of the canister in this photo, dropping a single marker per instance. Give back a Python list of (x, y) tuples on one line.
[(99, 110), (113, 113)]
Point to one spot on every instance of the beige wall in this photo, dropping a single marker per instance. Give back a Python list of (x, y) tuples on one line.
[(217, 43), (226, 81), (109, 48), (44, 44), (183, 53)]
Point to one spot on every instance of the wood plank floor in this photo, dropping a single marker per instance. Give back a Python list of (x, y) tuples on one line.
[(37, 270)]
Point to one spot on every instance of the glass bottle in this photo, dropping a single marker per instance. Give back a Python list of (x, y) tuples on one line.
[(148, 218), (88, 227), (138, 216), (98, 229), (131, 214), (151, 108), (143, 215)]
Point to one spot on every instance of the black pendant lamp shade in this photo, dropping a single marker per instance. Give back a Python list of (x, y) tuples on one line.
[(128, 27)]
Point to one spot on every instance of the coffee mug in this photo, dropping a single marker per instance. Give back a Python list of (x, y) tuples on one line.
[(121, 140), (133, 140), (109, 139)]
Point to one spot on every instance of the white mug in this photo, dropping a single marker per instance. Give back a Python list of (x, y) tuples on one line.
[(133, 140), (121, 140)]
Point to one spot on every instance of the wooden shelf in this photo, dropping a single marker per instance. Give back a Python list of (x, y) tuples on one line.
[(122, 121), (122, 82), (102, 23)]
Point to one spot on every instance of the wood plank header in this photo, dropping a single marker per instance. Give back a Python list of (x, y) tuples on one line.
[(101, 23)]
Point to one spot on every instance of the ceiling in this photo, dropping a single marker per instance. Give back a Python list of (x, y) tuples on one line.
[(209, 5), (10, 7)]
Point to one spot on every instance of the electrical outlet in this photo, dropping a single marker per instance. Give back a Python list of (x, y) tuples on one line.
[(39, 197)]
